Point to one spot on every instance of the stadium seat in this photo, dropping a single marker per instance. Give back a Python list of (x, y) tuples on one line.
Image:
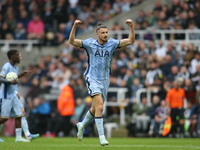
[(109, 126)]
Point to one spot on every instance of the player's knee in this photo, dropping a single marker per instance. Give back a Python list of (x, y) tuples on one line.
[(99, 108)]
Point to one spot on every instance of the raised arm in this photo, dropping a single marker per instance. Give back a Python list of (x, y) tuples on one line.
[(72, 40), (131, 37)]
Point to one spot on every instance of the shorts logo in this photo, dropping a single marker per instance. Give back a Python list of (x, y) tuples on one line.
[(180, 98)]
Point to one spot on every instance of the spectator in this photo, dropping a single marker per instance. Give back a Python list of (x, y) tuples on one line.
[(158, 6), (39, 115), (4, 30), (135, 86), (194, 63), (138, 111), (143, 52), (153, 76), (35, 28), (80, 106), (60, 12), (84, 14), (20, 32), (149, 18), (188, 120), (189, 54), (164, 89), (24, 19), (190, 91), (71, 21), (141, 17), (74, 8), (125, 5), (122, 61), (158, 122), (161, 51), (11, 22), (133, 63), (171, 51), (117, 4), (167, 67), (152, 110), (63, 33), (174, 73), (47, 17), (193, 36), (182, 53), (184, 73), (79, 90)]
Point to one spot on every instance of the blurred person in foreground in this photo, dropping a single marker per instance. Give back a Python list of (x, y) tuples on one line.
[(175, 99), (97, 74), (11, 105)]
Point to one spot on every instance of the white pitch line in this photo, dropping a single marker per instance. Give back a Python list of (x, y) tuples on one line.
[(145, 146)]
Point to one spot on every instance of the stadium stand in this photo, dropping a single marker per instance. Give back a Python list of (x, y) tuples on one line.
[(166, 49)]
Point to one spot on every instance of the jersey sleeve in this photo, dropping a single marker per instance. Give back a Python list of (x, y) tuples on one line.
[(116, 43), (4, 71), (86, 44)]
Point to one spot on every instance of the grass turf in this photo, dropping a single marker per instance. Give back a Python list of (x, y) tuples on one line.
[(93, 144)]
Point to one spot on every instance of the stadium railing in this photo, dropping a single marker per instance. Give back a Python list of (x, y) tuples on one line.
[(187, 33), (149, 92), (121, 95), (27, 43)]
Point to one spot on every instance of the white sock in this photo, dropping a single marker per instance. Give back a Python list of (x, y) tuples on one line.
[(99, 125), (25, 126), (18, 132), (88, 118), (101, 136)]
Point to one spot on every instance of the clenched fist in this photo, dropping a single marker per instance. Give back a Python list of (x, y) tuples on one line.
[(129, 22), (77, 23)]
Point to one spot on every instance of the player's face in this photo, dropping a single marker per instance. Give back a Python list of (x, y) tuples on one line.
[(17, 58), (103, 34)]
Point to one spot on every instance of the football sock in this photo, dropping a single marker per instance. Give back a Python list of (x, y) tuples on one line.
[(18, 132), (88, 118), (24, 124), (99, 124)]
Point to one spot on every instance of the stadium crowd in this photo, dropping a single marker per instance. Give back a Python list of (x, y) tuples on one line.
[(150, 66), (50, 21)]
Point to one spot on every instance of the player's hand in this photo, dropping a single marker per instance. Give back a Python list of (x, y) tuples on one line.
[(23, 111), (129, 22), (27, 73), (14, 81), (18, 95), (77, 23)]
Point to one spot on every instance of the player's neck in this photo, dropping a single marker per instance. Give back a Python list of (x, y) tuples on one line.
[(13, 63), (101, 42)]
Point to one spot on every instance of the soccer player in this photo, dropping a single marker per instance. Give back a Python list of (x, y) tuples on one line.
[(99, 53), (10, 106)]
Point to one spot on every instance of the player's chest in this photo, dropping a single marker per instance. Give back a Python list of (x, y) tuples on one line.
[(102, 51)]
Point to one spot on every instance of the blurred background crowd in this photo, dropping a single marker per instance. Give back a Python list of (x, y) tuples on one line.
[(152, 66), (50, 21)]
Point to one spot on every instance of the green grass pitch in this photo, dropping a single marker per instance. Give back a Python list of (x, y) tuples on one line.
[(93, 144)]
